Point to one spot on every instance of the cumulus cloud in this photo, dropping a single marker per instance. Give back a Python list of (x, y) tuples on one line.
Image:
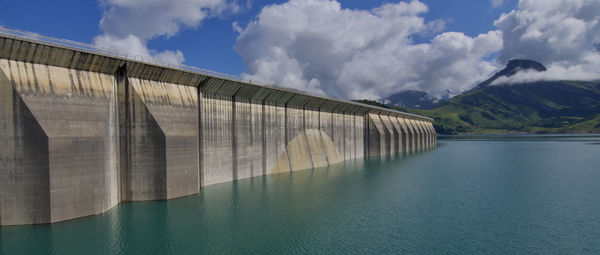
[(318, 46), (134, 47), (127, 25), (564, 35)]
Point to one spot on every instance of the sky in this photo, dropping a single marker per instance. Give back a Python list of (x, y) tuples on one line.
[(349, 49)]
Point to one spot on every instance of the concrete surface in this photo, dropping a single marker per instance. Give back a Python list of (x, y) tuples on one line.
[(82, 131)]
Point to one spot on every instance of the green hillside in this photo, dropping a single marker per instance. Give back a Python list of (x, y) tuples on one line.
[(537, 107), (540, 107)]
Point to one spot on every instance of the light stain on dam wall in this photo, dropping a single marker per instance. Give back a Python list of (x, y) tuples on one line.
[(81, 131)]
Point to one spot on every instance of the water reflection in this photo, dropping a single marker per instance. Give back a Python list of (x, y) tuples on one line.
[(524, 137), (484, 196)]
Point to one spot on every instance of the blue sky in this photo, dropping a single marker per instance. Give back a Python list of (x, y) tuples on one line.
[(58, 19), (209, 42)]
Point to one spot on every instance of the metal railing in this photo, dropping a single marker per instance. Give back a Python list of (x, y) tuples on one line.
[(111, 52), (146, 59)]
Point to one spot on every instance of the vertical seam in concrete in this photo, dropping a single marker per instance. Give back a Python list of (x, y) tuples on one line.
[(117, 137), (430, 135), (365, 138), (50, 84), (312, 161), (263, 134), (233, 139), (264, 137), (48, 173), (73, 88), (31, 90), (233, 134), (304, 118), (285, 125), (354, 136), (332, 125), (72, 61), (427, 134), (404, 142), (344, 134), (319, 119), (323, 149), (285, 134), (128, 109), (200, 136), (250, 104)]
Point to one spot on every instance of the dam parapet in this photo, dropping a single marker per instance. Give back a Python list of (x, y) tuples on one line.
[(83, 129)]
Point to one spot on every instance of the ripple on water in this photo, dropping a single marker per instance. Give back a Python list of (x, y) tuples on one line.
[(483, 195)]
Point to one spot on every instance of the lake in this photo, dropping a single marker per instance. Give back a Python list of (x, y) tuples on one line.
[(470, 195)]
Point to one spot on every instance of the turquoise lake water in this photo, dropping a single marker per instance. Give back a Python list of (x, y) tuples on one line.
[(470, 195)]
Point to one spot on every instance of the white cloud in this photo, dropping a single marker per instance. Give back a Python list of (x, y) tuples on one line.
[(564, 35), (129, 24), (496, 3), (134, 47), (318, 46)]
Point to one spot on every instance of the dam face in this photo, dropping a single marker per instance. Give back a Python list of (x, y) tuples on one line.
[(82, 131)]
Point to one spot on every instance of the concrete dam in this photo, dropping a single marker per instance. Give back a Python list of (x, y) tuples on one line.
[(83, 129)]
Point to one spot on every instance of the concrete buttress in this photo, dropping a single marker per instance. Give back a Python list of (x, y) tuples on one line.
[(82, 131)]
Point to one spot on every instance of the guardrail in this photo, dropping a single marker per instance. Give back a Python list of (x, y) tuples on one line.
[(147, 59), (111, 52)]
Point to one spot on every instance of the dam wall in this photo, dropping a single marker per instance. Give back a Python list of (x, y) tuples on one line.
[(82, 131)]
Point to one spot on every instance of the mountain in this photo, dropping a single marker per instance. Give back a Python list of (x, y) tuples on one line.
[(412, 99), (418, 99), (514, 66), (535, 107), (538, 107)]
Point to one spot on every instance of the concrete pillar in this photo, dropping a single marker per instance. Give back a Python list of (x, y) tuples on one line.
[(431, 134), (400, 135), (59, 158), (163, 149), (376, 136), (434, 134), (427, 132), (391, 147), (411, 134), (418, 134), (423, 136), (24, 172), (405, 135)]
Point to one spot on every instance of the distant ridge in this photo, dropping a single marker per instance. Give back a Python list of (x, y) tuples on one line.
[(559, 106), (412, 99)]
